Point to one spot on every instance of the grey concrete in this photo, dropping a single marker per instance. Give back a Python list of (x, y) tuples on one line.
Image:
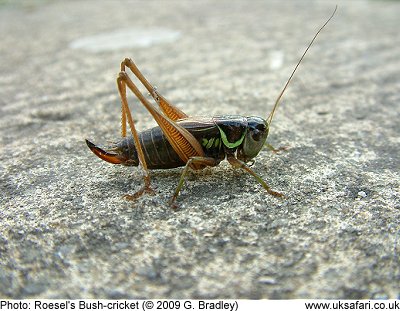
[(67, 232)]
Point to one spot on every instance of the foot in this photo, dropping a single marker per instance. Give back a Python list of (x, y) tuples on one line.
[(274, 150), (136, 195), (275, 194)]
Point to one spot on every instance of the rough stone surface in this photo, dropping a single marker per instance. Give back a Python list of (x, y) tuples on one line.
[(65, 229)]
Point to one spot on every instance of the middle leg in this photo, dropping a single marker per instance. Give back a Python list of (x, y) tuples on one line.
[(240, 164), (193, 162)]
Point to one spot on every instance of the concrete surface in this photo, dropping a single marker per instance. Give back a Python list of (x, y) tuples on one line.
[(66, 231)]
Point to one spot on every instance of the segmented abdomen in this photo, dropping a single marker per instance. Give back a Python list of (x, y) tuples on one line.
[(159, 153)]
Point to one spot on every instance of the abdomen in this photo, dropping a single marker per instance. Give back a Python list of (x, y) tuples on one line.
[(159, 153)]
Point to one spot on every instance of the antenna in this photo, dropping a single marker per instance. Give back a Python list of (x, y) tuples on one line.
[(271, 115)]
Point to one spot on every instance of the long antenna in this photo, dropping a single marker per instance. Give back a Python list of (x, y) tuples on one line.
[(271, 115)]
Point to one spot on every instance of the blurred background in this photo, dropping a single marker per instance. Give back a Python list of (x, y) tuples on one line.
[(66, 231)]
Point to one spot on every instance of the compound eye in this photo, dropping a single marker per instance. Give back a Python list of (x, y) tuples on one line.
[(256, 135), (261, 127)]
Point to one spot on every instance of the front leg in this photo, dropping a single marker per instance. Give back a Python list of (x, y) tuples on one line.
[(276, 150)]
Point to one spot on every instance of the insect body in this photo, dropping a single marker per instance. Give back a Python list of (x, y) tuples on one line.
[(180, 140), (218, 136), (237, 138)]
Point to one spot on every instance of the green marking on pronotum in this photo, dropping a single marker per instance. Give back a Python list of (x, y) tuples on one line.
[(229, 144), (217, 143), (210, 143)]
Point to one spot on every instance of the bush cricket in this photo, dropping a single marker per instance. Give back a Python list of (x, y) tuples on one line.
[(180, 140)]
